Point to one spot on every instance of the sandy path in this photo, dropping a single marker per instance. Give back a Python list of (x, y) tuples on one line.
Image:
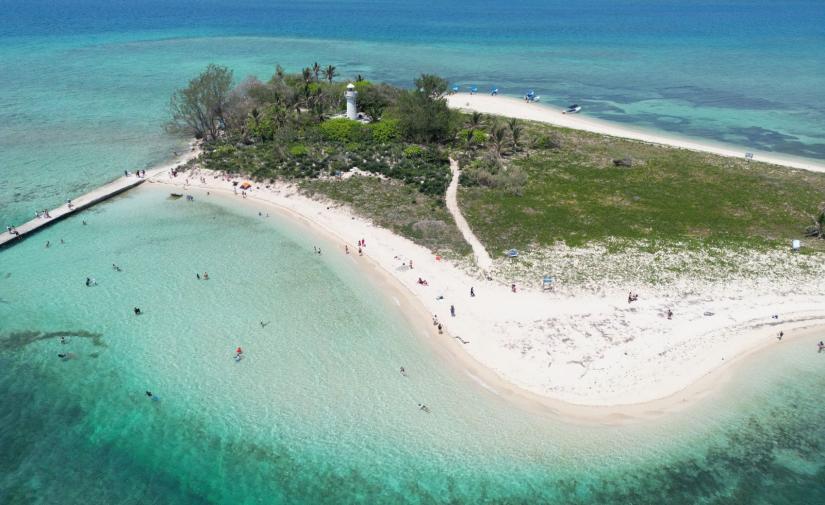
[(483, 259)]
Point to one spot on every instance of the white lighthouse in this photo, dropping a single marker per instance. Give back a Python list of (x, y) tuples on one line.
[(352, 108)]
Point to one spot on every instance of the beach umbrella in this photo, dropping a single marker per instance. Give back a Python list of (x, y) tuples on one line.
[(456, 87), (494, 90), (473, 89)]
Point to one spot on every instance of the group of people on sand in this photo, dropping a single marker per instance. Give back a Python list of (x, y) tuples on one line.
[(632, 297)]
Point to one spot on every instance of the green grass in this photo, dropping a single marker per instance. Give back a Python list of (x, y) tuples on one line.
[(574, 194), (399, 207)]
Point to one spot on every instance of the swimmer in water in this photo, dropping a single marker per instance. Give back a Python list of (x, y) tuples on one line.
[(149, 394), (403, 372), (423, 407), (137, 311)]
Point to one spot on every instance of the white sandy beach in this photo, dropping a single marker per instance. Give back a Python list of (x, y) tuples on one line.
[(513, 107), (582, 344)]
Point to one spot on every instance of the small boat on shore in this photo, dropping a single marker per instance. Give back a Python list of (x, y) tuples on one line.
[(573, 109)]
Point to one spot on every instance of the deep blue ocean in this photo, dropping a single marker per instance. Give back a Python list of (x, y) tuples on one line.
[(319, 413)]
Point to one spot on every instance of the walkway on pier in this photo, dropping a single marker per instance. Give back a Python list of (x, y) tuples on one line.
[(82, 202)]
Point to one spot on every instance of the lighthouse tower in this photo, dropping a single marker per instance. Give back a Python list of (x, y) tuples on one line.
[(352, 109)]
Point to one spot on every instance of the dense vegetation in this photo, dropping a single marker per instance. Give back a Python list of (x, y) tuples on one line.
[(523, 184), (286, 127)]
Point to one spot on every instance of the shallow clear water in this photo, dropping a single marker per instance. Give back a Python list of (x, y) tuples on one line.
[(317, 412), (90, 79)]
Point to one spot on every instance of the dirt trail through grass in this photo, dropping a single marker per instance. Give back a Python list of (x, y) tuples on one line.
[(483, 260)]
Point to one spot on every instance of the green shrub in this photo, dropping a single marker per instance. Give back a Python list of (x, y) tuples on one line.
[(385, 131), (225, 150), (341, 130), (413, 152), (547, 142), (299, 150)]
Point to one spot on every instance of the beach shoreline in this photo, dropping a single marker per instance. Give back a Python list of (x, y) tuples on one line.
[(484, 364), (512, 107)]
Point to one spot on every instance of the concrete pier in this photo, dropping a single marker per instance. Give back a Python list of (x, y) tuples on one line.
[(82, 202)]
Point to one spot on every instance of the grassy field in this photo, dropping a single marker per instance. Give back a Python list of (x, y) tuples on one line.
[(399, 207), (576, 195)]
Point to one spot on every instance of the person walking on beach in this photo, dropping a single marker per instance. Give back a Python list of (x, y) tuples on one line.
[(669, 314), (346, 248), (821, 346), (440, 329), (472, 292), (452, 310), (513, 287), (781, 334)]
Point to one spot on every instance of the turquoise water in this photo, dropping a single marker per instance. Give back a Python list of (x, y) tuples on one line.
[(90, 79), (317, 412)]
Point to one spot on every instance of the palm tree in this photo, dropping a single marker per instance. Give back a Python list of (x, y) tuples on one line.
[(329, 73), (515, 130), (307, 75), (475, 120), (316, 69), (498, 138)]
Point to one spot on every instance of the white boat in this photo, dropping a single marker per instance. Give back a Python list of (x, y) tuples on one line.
[(573, 109)]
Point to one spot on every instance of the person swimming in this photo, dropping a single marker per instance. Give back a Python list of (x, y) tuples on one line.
[(423, 407), (149, 394), (137, 311), (403, 371)]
